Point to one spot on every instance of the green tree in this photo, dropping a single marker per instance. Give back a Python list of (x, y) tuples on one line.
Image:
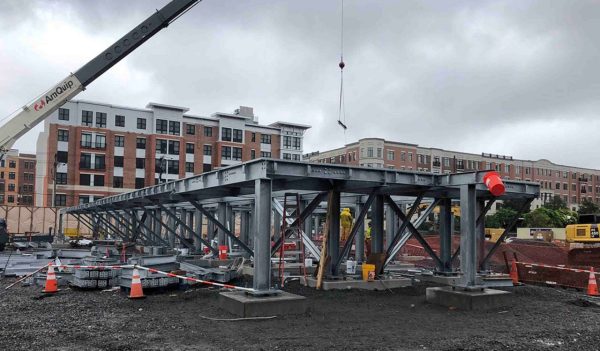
[(501, 218), (513, 204), (556, 203), (546, 217), (537, 218), (588, 207)]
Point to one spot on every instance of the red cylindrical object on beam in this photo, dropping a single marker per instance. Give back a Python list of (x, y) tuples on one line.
[(493, 182)]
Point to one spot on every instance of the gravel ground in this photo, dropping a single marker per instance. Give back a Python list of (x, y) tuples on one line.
[(541, 319)]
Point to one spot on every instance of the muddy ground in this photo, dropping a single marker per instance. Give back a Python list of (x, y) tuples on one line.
[(541, 319)]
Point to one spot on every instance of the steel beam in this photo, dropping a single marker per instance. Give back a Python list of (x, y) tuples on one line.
[(187, 228), (480, 219), (262, 235), (114, 214), (174, 233), (221, 226)]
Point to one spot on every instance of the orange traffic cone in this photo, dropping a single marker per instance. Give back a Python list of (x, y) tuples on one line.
[(592, 289), (514, 273), (136, 286), (51, 283)]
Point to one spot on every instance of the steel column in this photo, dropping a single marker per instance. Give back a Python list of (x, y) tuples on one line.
[(198, 230), (360, 237), (480, 233), (468, 235), (333, 241), (377, 224), (172, 233), (262, 235), (445, 218), (222, 217), (244, 229), (187, 228), (389, 226)]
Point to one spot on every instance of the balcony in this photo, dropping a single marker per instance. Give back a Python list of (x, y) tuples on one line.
[(92, 145), (583, 179), (437, 164), (92, 166)]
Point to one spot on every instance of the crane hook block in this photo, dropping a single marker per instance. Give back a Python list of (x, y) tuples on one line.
[(342, 65)]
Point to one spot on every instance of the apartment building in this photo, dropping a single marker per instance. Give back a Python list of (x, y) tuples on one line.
[(572, 184), (17, 179), (89, 150)]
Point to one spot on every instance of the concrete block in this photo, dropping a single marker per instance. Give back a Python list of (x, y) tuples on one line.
[(468, 300), (359, 284), (244, 305)]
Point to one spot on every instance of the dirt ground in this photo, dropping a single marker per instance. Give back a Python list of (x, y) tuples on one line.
[(541, 319)]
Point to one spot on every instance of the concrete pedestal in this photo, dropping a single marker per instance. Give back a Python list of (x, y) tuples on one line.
[(468, 300), (244, 305), (495, 281), (359, 284)]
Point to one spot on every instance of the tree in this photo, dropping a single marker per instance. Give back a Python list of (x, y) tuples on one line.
[(501, 218), (588, 207), (514, 204), (556, 203), (546, 217), (537, 218)]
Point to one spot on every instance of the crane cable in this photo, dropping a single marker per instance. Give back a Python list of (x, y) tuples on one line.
[(342, 108)]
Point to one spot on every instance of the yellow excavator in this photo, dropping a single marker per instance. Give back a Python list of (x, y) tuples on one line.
[(586, 231)]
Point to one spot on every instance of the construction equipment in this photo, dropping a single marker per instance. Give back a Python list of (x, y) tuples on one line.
[(582, 233), (291, 251), (42, 106)]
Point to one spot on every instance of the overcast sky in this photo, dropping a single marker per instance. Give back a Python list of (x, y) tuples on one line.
[(519, 78)]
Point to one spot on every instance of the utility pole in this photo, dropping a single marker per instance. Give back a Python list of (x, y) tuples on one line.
[(54, 168)]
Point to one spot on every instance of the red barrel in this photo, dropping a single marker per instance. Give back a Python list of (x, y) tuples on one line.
[(223, 252), (493, 182)]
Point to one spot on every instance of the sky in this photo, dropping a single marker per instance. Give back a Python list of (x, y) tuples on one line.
[(519, 78)]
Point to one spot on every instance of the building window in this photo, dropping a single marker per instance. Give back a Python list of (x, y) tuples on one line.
[(206, 167), (84, 199), (100, 120), (61, 178), (226, 134), (573, 187), (207, 150), (190, 129), (287, 156), (226, 152), (85, 161), (189, 148), (141, 123), (63, 114), (557, 186), (119, 121), (236, 153), (100, 141), (390, 155), (207, 131), (140, 143), (296, 157), (11, 187), (161, 146), (60, 200), (84, 179), (237, 135), (189, 167), (287, 142), (265, 138), (379, 152), (265, 154), (63, 135), (174, 128), (173, 147), (62, 156), (117, 182), (99, 162), (87, 118), (445, 160), (565, 186), (253, 137), (297, 145), (98, 180), (140, 163), (410, 157), (119, 141), (369, 152), (139, 183), (118, 161), (173, 167), (252, 154), (11, 198), (161, 126), (86, 140), (460, 164)]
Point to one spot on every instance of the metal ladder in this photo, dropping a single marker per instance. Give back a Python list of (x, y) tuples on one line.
[(291, 252)]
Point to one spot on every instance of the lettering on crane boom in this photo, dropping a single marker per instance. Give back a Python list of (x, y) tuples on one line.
[(53, 94)]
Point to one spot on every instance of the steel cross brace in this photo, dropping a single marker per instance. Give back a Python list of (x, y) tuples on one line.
[(85, 222), (359, 222), (302, 217), (144, 225), (406, 235), (522, 209), (139, 226), (404, 224), (148, 239), (172, 231), (111, 226), (188, 228), (414, 231), (227, 232), (123, 221), (481, 217)]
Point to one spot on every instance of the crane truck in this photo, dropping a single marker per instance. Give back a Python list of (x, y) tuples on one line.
[(42, 106)]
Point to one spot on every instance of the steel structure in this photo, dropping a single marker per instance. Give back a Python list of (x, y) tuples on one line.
[(173, 213)]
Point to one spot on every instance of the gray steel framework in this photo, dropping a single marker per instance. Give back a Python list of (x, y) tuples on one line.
[(253, 186)]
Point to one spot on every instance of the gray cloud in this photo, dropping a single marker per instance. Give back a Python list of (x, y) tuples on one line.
[(512, 77)]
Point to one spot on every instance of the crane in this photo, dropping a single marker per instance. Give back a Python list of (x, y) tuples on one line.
[(42, 106)]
